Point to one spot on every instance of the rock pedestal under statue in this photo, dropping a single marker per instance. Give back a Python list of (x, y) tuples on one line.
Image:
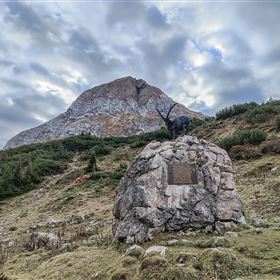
[(186, 184)]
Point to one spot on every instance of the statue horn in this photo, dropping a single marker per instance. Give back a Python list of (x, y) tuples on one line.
[(167, 116)]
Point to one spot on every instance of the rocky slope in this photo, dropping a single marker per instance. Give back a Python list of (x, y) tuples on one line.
[(122, 107)]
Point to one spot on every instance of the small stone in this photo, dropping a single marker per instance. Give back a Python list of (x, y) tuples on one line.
[(187, 242), (34, 226), (181, 233), (274, 169), (277, 220), (258, 230), (208, 229), (257, 222), (231, 234), (172, 242), (74, 219), (221, 241), (191, 233), (242, 220), (276, 228), (184, 258), (217, 241), (66, 247), (52, 223), (43, 240), (156, 250), (134, 251)]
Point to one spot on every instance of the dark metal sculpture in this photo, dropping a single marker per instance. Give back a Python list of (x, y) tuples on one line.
[(177, 124)]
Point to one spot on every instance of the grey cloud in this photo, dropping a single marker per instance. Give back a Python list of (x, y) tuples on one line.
[(202, 107), (239, 95), (125, 12), (136, 13), (6, 63), (217, 71), (262, 17), (20, 113), (14, 84), (45, 30), (230, 85), (158, 59), (17, 69), (40, 69), (24, 17), (84, 49), (156, 18)]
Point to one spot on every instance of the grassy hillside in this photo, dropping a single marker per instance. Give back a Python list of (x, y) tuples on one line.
[(68, 187)]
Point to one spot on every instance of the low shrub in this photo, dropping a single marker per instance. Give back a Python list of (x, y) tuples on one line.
[(101, 150), (99, 175), (271, 147), (92, 165), (260, 114), (119, 172), (252, 136), (277, 123), (138, 144), (195, 123), (235, 110), (244, 152), (154, 262), (44, 167), (121, 275), (128, 261), (218, 264)]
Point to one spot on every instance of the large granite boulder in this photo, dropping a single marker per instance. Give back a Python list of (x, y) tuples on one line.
[(186, 184)]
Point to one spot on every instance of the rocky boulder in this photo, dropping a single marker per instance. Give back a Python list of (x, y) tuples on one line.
[(43, 240), (186, 184)]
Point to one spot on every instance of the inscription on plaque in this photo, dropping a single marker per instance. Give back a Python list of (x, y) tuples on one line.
[(182, 174)]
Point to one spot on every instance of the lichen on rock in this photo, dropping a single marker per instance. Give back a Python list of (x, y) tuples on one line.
[(184, 185)]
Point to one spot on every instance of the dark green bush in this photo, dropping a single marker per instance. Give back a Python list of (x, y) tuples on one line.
[(92, 165), (277, 123), (99, 175), (101, 150), (247, 136), (138, 144), (195, 123), (235, 110), (119, 172), (271, 147), (44, 167), (259, 114)]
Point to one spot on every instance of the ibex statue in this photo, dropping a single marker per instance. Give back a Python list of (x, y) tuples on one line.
[(177, 124)]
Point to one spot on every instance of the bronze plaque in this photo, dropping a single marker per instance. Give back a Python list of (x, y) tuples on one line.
[(182, 174)]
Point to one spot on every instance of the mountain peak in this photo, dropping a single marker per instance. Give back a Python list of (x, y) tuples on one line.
[(122, 107)]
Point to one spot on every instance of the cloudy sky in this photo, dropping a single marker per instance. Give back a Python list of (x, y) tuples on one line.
[(206, 55)]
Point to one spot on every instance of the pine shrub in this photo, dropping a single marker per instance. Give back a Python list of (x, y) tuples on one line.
[(252, 136)]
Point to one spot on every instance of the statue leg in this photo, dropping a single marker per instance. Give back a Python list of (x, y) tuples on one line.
[(185, 129), (173, 134)]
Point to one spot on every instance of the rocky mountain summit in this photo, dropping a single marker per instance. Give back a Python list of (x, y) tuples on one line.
[(122, 107), (172, 186)]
